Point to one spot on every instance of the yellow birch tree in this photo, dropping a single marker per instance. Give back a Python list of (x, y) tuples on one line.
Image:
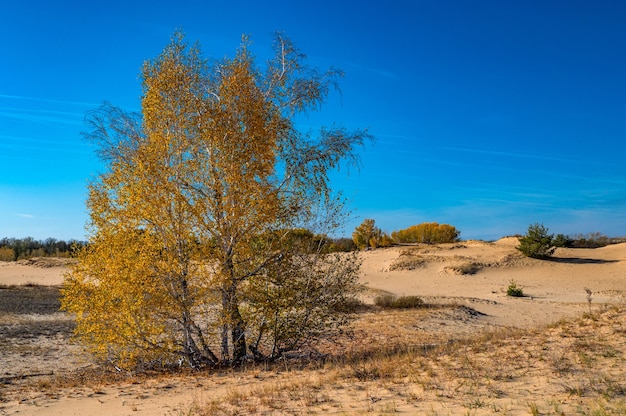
[(192, 257)]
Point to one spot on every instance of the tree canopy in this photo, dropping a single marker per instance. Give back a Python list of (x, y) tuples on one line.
[(194, 253), (537, 242)]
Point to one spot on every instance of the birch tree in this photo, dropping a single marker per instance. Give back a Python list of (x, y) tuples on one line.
[(192, 258)]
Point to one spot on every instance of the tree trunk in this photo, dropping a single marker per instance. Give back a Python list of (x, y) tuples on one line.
[(235, 322), (225, 325), (238, 334)]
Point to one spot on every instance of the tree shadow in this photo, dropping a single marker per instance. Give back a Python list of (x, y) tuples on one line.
[(580, 260)]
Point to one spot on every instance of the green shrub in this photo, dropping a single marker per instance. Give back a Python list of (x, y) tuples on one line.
[(562, 240), (341, 245), (402, 302), (537, 243), (514, 290), (591, 240)]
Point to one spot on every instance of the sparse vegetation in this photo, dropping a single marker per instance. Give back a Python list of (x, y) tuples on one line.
[(514, 290), (468, 267), (408, 260), (394, 302), (589, 292), (386, 364), (29, 299)]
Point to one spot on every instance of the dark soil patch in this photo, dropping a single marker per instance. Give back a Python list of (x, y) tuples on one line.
[(29, 299)]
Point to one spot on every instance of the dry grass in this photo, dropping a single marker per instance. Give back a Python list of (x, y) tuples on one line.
[(408, 260), (436, 359), (463, 268), (47, 262), (28, 313), (29, 299), (563, 369)]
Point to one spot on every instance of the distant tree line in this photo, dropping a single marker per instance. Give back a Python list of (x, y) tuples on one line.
[(591, 240), (538, 243), (301, 237), (13, 249)]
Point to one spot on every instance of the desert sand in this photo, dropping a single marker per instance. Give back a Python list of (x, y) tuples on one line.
[(28, 272), (515, 360)]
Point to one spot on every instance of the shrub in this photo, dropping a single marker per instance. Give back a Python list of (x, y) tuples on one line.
[(7, 254), (514, 290), (402, 302), (562, 240), (429, 233), (537, 243), (341, 245)]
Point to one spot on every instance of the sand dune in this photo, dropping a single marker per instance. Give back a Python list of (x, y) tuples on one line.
[(472, 275)]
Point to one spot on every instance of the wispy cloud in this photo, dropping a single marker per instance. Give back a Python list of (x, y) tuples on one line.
[(31, 150), (47, 100), (42, 116), (508, 154), (25, 215)]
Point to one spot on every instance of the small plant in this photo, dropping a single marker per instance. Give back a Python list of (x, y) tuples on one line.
[(589, 293), (533, 409), (514, 290)]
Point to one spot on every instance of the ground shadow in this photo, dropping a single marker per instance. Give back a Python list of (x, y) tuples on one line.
[(580, 260)]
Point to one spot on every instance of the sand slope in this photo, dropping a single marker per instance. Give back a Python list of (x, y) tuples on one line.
[(478, 273)]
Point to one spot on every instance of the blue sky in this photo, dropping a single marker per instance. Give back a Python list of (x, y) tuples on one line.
[(489, 115)]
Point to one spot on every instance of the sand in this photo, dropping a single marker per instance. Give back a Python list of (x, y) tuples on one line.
[(23, 273), (475, 274)]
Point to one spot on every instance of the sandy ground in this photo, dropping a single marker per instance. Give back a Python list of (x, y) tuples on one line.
[(23, 273), (474, 274), (554, 289)]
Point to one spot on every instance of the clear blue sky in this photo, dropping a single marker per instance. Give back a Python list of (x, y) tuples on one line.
[(489, 115)]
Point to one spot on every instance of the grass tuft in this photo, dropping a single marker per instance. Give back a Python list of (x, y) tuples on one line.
[(403, 302)]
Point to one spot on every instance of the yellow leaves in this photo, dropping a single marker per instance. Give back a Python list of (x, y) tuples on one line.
[(184, 220), (121, 292), (428, 232)]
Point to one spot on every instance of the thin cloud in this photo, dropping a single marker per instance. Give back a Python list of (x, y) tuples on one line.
[(517, 155), (25, 215), (42, 116), (46, 100)]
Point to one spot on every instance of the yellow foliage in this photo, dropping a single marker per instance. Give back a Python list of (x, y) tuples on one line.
[(7, 254), (429, 232), (188, 258), (368, 235)]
